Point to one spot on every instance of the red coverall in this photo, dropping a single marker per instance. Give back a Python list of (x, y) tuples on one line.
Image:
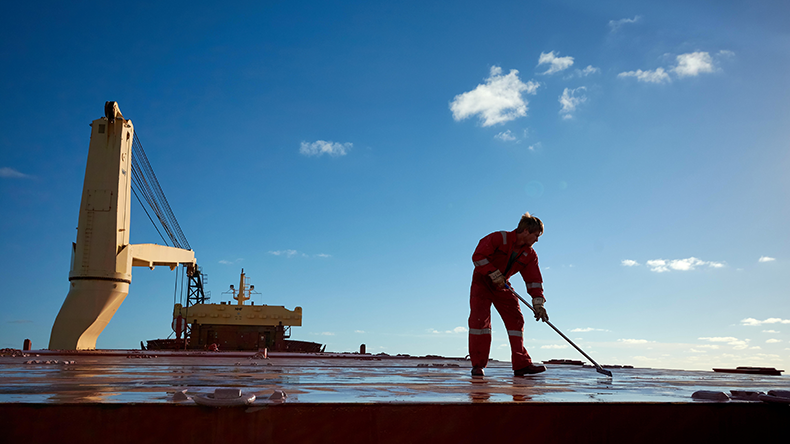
[(493, 253)]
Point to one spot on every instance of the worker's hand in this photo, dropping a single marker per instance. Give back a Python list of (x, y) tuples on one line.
[(540, 312), (497, 278)]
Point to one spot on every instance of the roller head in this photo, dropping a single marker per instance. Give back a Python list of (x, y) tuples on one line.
[(603, 371)]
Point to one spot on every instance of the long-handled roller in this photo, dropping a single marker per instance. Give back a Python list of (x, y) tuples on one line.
[(598, 368)]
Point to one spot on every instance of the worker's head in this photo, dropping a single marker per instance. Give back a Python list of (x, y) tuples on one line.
[(530, 223)]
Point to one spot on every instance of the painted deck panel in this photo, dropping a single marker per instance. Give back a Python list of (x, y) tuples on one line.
[(141, 377)]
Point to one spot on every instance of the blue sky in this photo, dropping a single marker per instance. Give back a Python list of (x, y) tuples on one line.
[(349, 156)]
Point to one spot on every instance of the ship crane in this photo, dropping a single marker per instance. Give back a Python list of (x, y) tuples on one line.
[(102, 257)]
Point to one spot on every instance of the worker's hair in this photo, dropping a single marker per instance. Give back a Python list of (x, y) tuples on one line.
[(530, 223)]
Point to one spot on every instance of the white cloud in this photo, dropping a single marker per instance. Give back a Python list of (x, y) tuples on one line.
[(689, 264), (657, 76), (456, 330), (719, 339), (773, 341), (554, 347), (294, 253), (736, 343), (587, 329), (690, 64), (586, 71), (505, 136), (10, 173), (499, 100), (766, 259), (770, 331), (286, 253), (658, 265), (570, 100), (556, 64), (693, 64), (614, 25), (227, 262), (755, 322), (359, 331), (633, 341), (535, 146), (321, 147), (629, 263)]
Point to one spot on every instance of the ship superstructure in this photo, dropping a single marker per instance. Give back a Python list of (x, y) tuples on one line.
[(237, 325)]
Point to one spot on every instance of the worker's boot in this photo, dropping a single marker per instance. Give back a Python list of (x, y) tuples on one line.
[(530, 370), (478, 371)]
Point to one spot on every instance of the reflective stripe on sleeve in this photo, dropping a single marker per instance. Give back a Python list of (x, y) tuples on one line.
[(517, 333), (534, 285), (504, 237), (481, 262), (479, 331)]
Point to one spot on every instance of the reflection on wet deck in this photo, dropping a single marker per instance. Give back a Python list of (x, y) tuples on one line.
[(116, 377)]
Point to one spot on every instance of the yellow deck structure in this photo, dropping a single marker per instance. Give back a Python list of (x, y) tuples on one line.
[(236, 326), (239, 313)]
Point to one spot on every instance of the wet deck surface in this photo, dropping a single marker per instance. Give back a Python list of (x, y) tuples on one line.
[(153, 377)]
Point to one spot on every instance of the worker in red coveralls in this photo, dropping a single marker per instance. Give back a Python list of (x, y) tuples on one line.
[(497, 257)]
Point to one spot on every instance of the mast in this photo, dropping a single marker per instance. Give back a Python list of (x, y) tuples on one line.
[(240, 296)]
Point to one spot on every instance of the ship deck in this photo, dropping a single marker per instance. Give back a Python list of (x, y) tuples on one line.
[(345, 391), (152, 377)]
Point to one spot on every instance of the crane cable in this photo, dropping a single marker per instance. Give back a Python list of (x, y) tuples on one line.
[(145, 184)]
